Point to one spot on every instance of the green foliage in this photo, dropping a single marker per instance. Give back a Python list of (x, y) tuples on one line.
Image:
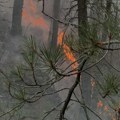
[(110, 85), (43, 66), (51, 58), (29, 51), (115, 104)]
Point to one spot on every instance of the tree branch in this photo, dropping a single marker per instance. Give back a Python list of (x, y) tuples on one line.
[(71, 91)]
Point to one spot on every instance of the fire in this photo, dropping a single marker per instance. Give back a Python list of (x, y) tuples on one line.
[(67, 50), (30, 16), (33, 7), (99, 104), (60, 38)]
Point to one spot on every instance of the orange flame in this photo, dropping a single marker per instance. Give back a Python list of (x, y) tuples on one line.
[(30, 16), (67, 50), (99, 104)]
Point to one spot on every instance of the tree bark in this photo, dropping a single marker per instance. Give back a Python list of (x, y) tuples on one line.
[(108, 11), (55, 25), (16, 28), (82, 27)]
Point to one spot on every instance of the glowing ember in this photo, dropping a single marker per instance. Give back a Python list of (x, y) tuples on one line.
[(106, 108), (60, 38), (67, 50), (30, 16), (99, 104)]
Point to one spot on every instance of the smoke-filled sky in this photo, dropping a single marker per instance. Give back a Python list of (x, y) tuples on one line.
[(32, 15)]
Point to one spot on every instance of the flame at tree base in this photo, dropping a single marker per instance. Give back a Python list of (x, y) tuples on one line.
[(67, 50), (31, 16)]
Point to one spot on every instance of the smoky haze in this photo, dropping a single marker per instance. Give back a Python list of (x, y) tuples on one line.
[(39, 26), (43, 29)]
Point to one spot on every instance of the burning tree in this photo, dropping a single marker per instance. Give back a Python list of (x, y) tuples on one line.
[(90, 35)]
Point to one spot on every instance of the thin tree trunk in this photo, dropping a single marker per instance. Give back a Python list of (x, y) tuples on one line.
[(82, 23), (54, 28), (82, 15), (107, 17), (16, 28)]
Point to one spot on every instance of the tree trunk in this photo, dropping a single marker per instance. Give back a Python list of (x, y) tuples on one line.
[(82, 26), (16, 28), (108, 11), (54, 28), (82, 14)]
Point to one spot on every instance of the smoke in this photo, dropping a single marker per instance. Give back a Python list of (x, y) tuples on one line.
[(33, 20)]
